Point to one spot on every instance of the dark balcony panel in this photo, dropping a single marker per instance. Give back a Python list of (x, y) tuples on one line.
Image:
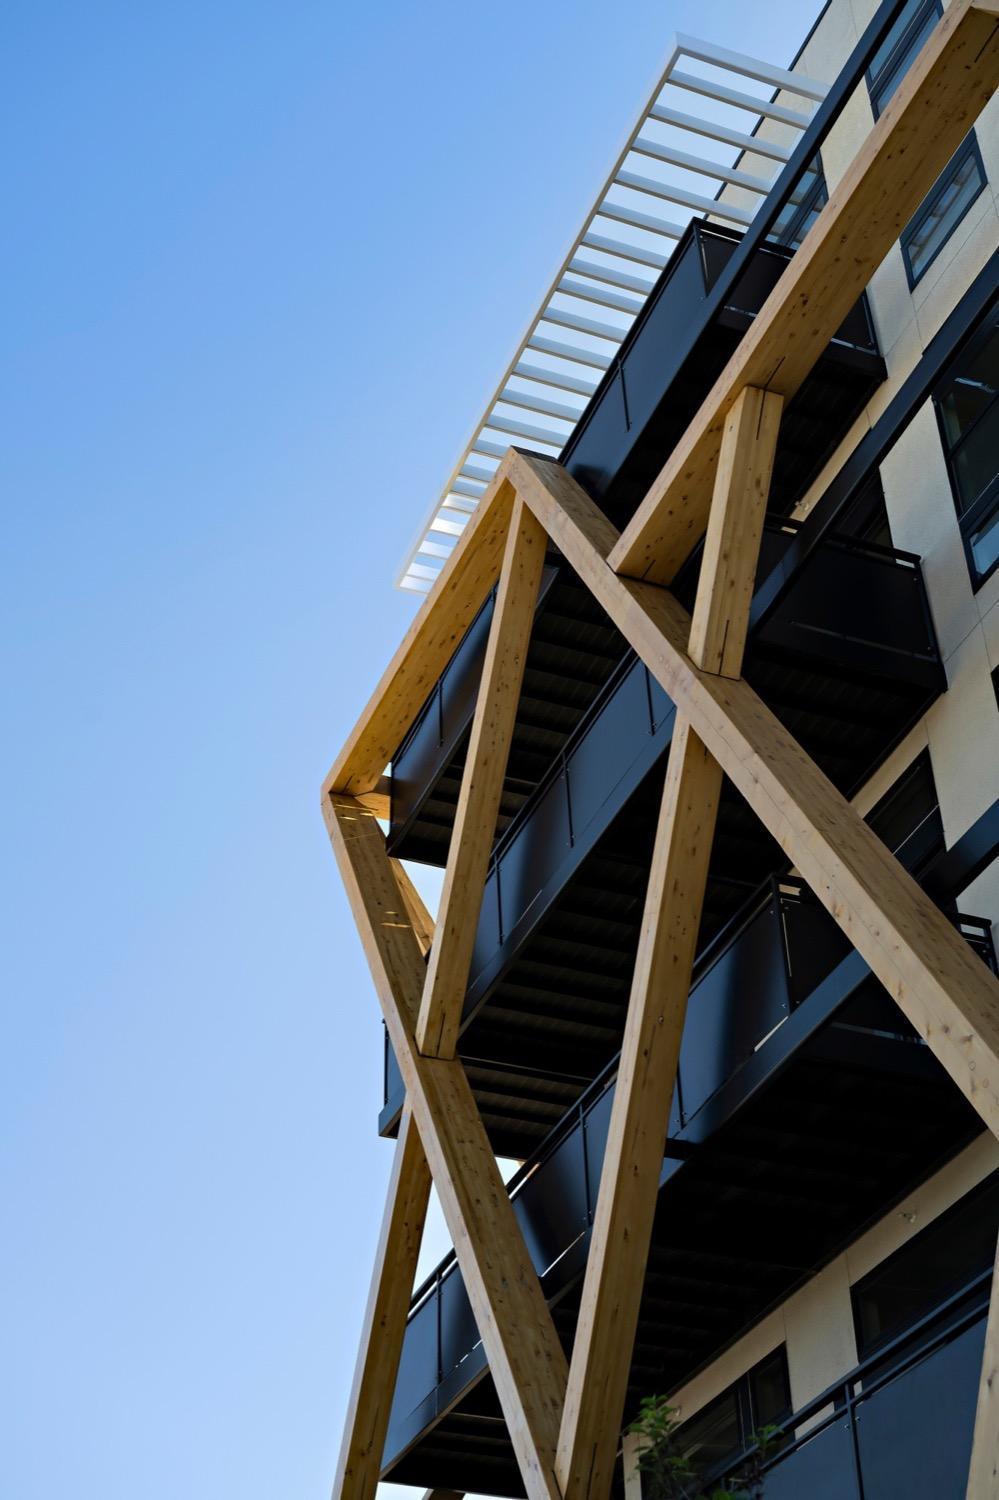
[(458, 1332), (738, 1001), (822, 1469), (551, 1208), (914, 1434)]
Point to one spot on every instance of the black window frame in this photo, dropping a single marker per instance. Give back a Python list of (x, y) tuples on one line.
[(971, 519), (897, 59), (887, 79), (817, 195), (741, 1392), (968, 149), (923, 1324)]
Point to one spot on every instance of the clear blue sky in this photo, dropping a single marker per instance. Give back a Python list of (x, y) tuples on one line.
[(261, 263)]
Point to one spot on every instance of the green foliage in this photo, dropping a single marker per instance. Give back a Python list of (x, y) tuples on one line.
[(668, 1471)]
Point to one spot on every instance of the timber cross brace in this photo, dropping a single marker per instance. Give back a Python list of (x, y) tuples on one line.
[(564, 1418)]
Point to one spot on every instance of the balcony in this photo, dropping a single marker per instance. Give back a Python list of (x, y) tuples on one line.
[(905, 1430), (846, 658), (673, 355), (805, 1105)]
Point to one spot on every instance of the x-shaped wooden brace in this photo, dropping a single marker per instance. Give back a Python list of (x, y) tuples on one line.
[(564, 1423)]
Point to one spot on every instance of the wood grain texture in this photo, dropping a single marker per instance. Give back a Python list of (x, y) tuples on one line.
[(384, 1327), (720, 620), (525, 1357), (427, 646), (939, 100), (481, 785), (942, 987), (629, 1180)]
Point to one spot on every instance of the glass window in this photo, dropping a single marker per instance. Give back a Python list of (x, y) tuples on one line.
[(964, 176), (726, 1427), (802, 208), (967, 403), (943, 209), (894, 57), (932, 1268)]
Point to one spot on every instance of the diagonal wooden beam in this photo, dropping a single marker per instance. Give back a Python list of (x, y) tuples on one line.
[(525, 1357), (629, 1178), (942, 987), (428, 645), (720, 621), (939, 100), (983, 1475), (657, 1006), (481, 785), (384, 1327)]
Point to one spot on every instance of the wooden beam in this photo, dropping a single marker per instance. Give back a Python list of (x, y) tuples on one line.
[(657, 1005), (481, 786), (983, 1476), (379, 799), (940, 984), (938, 101), (427, 646), (384, 1326), (720, 620), (525, 1357), (423, 922), (629, 1179)]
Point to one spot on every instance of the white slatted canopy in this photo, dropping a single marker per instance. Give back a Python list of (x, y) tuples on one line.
[(673, 164)]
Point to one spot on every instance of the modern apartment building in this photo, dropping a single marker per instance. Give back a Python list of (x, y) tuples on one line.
[(701, 718)]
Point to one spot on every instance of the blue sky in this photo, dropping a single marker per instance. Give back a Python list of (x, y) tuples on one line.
[(262, 264)]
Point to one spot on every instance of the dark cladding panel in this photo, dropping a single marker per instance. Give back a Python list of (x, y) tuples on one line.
[(915, 1433), (535, 853), (459, 1332), (551, 1206), (740, 999), (822, 1469), (604, 753)]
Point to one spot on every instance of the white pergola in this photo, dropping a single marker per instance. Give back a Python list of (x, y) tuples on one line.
[(628, 234)]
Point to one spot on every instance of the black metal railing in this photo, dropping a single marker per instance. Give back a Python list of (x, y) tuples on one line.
[(900, 1424)]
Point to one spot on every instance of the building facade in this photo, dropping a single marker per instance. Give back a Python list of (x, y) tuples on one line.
[(817, 1245)]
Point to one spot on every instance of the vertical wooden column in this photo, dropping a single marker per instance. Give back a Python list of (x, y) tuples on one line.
[(481, 786), (629, 1182)]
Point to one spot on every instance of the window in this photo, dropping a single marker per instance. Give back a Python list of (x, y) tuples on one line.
[(946, 204), (961, 181), (802, 208), (894, 57), (934, 1267), (968, 413), (726, 1427)]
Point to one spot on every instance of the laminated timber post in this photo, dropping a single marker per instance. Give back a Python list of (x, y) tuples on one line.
[(481, 786), (657, 1006), (944, 990)]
